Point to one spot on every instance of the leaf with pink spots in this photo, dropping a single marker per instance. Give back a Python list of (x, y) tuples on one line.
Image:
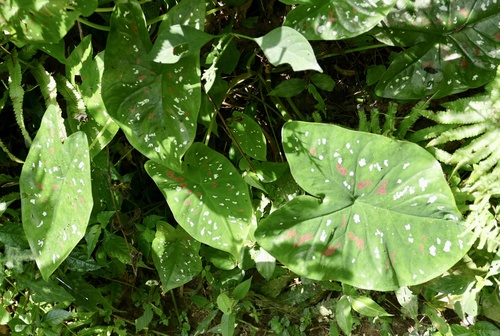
[(56, 193), (156, 105), (451, 46), (209, 199), (379, 214)]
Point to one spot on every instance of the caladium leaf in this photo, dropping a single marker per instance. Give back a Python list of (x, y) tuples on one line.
[(176, 42), (56, 193), (455, 45), (175, 256), (381, 214), (155, 105), (209, 199), (337, 20), (38, 20), (286, 45), (249, 135)]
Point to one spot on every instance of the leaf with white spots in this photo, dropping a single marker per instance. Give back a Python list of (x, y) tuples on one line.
[(56, 193), (156, 105), (337, 20), (175, 255), (249, 135), (286, 45), (380, 215), (455, 45), (209, 199), (177, 42)]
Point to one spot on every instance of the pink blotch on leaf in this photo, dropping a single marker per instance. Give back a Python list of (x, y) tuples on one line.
[(52, 150), (189, 192), (151, 116), (171, 90), (421, 248), (137, 61), (344, 220), (360, 243), (187, 202), (141, 78), (291, 234), (134, 27), (304, 238), (55, 187), (463, 62), (214, 185), (341, 169), (393, 255), (331, 250), (497, 37), (183, 185), (387, 264), (363, 184), (424, 238), (312, 151), (40, 186), (381, 190)]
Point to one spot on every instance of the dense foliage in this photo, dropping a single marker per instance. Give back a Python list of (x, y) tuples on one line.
[(196, 166)]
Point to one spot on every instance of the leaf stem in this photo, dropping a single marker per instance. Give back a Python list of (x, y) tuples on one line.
[(373, 46), (92, 25)]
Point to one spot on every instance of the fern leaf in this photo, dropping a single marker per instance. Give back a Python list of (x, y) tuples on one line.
[(17, 94), (459, 133), (411, 118)]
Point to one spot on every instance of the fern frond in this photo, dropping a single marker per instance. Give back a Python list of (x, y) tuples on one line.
[(17, 94), (459, 133), (74, 101), (390, 119), (428, 133), (479, 149), (411, 118)]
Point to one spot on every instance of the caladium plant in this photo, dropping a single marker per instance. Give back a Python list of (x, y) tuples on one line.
[(380, 214), (454, 46)]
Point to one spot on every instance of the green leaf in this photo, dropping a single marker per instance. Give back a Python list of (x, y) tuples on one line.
[(39, 20), (79, 261), (337, 20), (240, 291), (145, 319), (374, 73), (175, 256), (323, 81), (57, 196), (249, 135), (176, 42), (264, 262), (454, 46), (56, 316), (343, 315), (408, 302), (366, 306), (47, 291), (156, 105), (375, 204), (225, 303), (117, 247), (286, 45), (289, 88), (227, 324), (209, 199)]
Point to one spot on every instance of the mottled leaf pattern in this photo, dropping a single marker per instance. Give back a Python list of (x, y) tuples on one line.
[(381, 214), (155, 105), (209, 199), (455, 45), (175, 255), (337, 20), (56, 194)]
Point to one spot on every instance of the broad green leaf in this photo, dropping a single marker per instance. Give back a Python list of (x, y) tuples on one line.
[(228, 324), (249, 135), (87, 7), (175, 256), (408, 302), (367, 307), (286, 45), (39, 20), (289, 88), (56, 316), (47, 291), (209, 199), (337, 20), (343, 315), (323, 81), (240, 291), (145, 319), (56, 193), (225, 303), (155, 105), (264, 262), (455, 45), (380, 215), (177, 42)]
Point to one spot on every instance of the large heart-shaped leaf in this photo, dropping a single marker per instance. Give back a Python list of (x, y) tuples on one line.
[(286, 45), (337, 20), (455, 46), (381, 214), (56, 193), (155, 105), (38, 20), (175, 256), (209, 199)]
